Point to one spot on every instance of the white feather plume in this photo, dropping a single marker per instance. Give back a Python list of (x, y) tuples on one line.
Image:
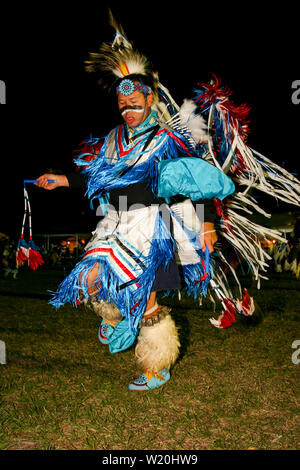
[(195, 122)]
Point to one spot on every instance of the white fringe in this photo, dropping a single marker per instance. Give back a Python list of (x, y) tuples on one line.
[(194, 122), (247, 237)]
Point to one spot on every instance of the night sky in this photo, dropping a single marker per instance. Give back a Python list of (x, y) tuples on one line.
[(53, 104)]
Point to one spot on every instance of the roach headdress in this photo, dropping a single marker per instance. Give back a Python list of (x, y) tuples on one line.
[(118, 60), (118, 63)]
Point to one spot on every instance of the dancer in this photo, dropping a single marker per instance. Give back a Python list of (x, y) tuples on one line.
[(151, 175)]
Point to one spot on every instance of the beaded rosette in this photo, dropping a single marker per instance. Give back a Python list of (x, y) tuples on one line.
[(127, 87)]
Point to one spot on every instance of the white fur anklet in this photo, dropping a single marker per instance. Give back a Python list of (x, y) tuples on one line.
[(158, 347)]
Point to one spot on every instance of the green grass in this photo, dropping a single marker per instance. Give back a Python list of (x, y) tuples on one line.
[(230, 389)]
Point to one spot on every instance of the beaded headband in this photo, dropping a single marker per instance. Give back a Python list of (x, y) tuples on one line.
[(127, 87)]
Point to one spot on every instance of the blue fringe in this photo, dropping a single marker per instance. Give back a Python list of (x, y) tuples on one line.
[(192, 273), (161, 253), (22, 243), (33, 246), (104, 176), (130, 302)]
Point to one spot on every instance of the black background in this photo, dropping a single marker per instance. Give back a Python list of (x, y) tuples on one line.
[(52, 103)]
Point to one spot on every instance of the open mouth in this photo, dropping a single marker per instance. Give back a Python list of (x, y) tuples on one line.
[(129, 119)]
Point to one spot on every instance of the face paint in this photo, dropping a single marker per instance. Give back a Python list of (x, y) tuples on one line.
[(135, 109)]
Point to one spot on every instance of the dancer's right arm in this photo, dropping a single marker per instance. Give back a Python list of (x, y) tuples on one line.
[(59, 181)]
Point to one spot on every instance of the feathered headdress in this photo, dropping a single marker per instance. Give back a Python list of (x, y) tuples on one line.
[(119, 60)]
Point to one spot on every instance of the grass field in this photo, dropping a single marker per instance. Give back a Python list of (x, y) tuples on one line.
[(230, 389)]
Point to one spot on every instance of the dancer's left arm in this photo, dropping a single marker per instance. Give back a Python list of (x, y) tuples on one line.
[(208, 236)]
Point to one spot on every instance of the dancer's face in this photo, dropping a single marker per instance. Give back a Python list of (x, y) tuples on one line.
[(135, 108)]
